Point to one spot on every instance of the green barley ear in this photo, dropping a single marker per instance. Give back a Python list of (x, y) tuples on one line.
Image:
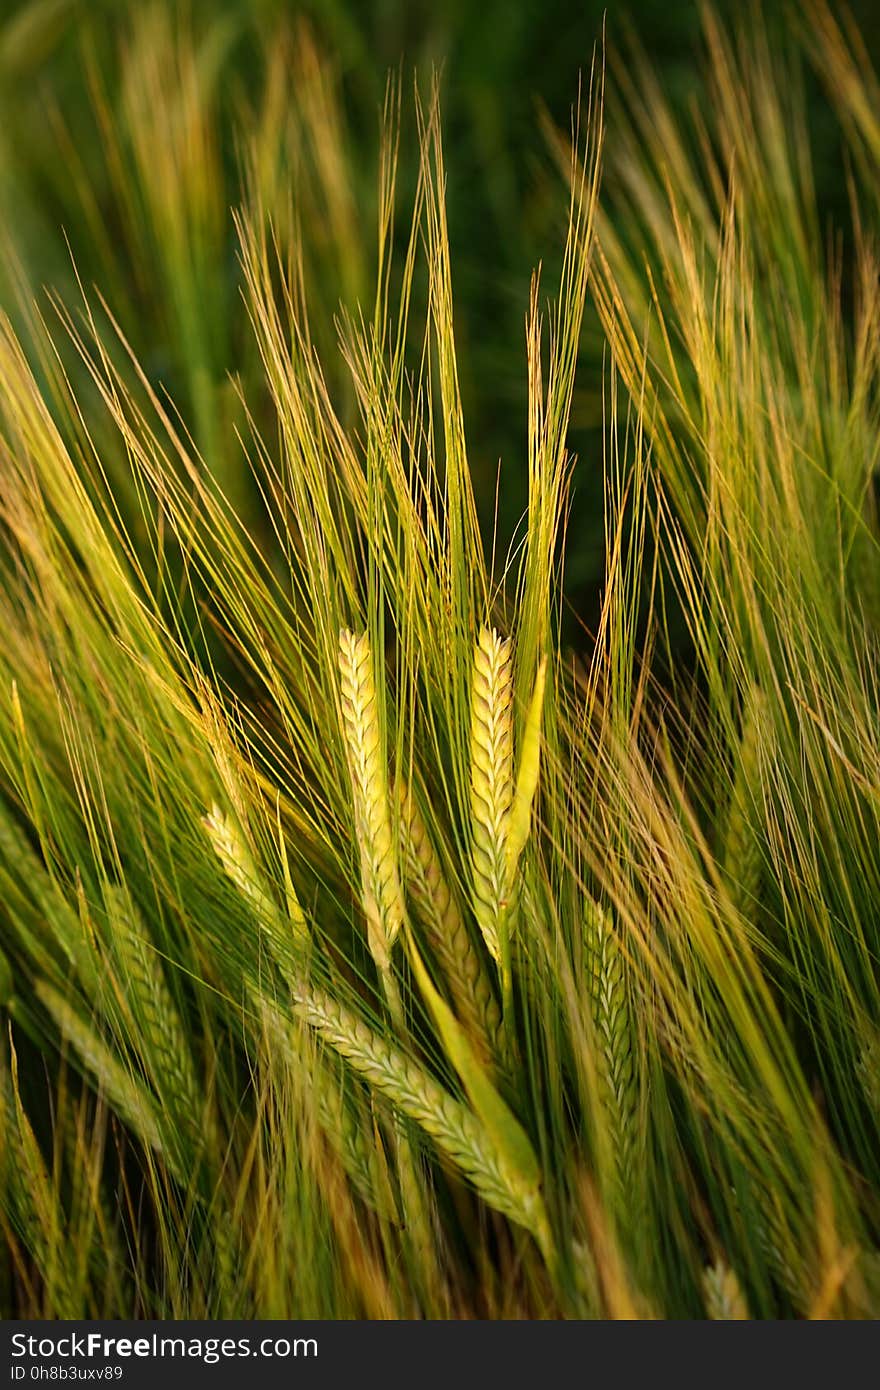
[(57, 919), (286, 938), (742, 850), (471, 992), (616, 1055), (349, 1131), (123, 1092), (491, 784), (161, 1042), (508, 1186), (722, 1295), (382, 895), (34, 1197)]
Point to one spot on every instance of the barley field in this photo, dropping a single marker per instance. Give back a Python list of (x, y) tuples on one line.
[(439, 861)]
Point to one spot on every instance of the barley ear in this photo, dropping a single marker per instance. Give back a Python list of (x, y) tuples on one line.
[(470, 990), (457, 1132), (33, 1195), (616, 1060), (284, 936), (723, 1297), (491, 784), (124, 1093), (162, 1044), (382, 895)]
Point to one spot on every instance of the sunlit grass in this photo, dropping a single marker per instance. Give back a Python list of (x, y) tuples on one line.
[(365, 952)]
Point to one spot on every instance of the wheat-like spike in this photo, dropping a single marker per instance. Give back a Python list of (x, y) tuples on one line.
[(422, 1232), (491, 783), (125, 1095), (724, 1299), (472, 994), (162, 1045), (742, 850), (18, 856), (613, 1029), (380, 883), (36, 1203), (284, 937), (453, 1127), (346, 1131), (348, 1135), (781, 1249), (869, 1070)]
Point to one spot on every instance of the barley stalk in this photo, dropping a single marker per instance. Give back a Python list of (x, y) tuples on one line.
[(472, 995), (526, 777), (491, 784), (864, 569)]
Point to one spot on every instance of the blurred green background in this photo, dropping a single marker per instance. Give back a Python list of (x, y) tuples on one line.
[(147, 216)]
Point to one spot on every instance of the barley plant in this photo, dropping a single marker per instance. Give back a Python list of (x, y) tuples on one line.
[(374, 941)]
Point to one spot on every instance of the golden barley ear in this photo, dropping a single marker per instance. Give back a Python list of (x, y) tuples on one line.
[(491, 784), (380, 883), (470, 990), (723, 1297)]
